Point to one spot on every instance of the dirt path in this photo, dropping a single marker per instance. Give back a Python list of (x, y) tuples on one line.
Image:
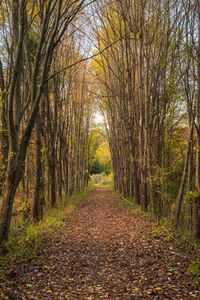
[(105, 252)]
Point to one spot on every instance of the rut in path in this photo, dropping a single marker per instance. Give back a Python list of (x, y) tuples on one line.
[(104, 251)]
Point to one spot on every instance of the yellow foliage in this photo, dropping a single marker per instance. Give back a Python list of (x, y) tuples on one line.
[(103, 153)]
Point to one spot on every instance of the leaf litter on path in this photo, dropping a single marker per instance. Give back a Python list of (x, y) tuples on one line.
[(103, 251)]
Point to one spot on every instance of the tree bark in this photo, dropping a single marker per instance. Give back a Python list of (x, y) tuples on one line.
[(39, 193)]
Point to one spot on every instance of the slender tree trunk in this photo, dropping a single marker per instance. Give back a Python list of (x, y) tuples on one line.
[(38, 201), (4, 132), (196, 209), (52, 172), (179, 201), (15, 173)]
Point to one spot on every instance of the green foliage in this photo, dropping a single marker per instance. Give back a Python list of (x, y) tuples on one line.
[(24, 243), (164, 231), (25, 207), (191, 197), (194, 267), (77, 198), (25, 239), (32, 43), (159, 176), (3, 269), (20, 187), (44, 154), (159, 183), (124, 179), (96, 168), (100, 159), (3, 277)]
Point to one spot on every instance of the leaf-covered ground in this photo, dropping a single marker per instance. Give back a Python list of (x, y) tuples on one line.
[(103, 251)]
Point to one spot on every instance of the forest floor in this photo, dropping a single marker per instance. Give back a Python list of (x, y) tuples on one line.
[(105, 251)]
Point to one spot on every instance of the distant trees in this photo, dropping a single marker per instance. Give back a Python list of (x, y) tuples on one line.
[(100, 159)]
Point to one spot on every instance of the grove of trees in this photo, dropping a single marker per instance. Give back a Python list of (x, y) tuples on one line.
[(145, 78), (45, 105), (149, 86)]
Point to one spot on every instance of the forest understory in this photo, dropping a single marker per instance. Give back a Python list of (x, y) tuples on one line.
[(104, 250)]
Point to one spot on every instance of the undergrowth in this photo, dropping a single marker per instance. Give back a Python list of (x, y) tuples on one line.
[(164, 229), (128, 203), (101, 180), (25, 239)]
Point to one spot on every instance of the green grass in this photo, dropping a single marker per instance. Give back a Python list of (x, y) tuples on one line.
[(25, 239), (194, 267), (130, 204), (164, 230)]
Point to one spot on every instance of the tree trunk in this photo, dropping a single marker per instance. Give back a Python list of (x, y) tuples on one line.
[(38, 201), (179, 201), (197, 201), (52, 172), (3, 133), (15, 173)]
